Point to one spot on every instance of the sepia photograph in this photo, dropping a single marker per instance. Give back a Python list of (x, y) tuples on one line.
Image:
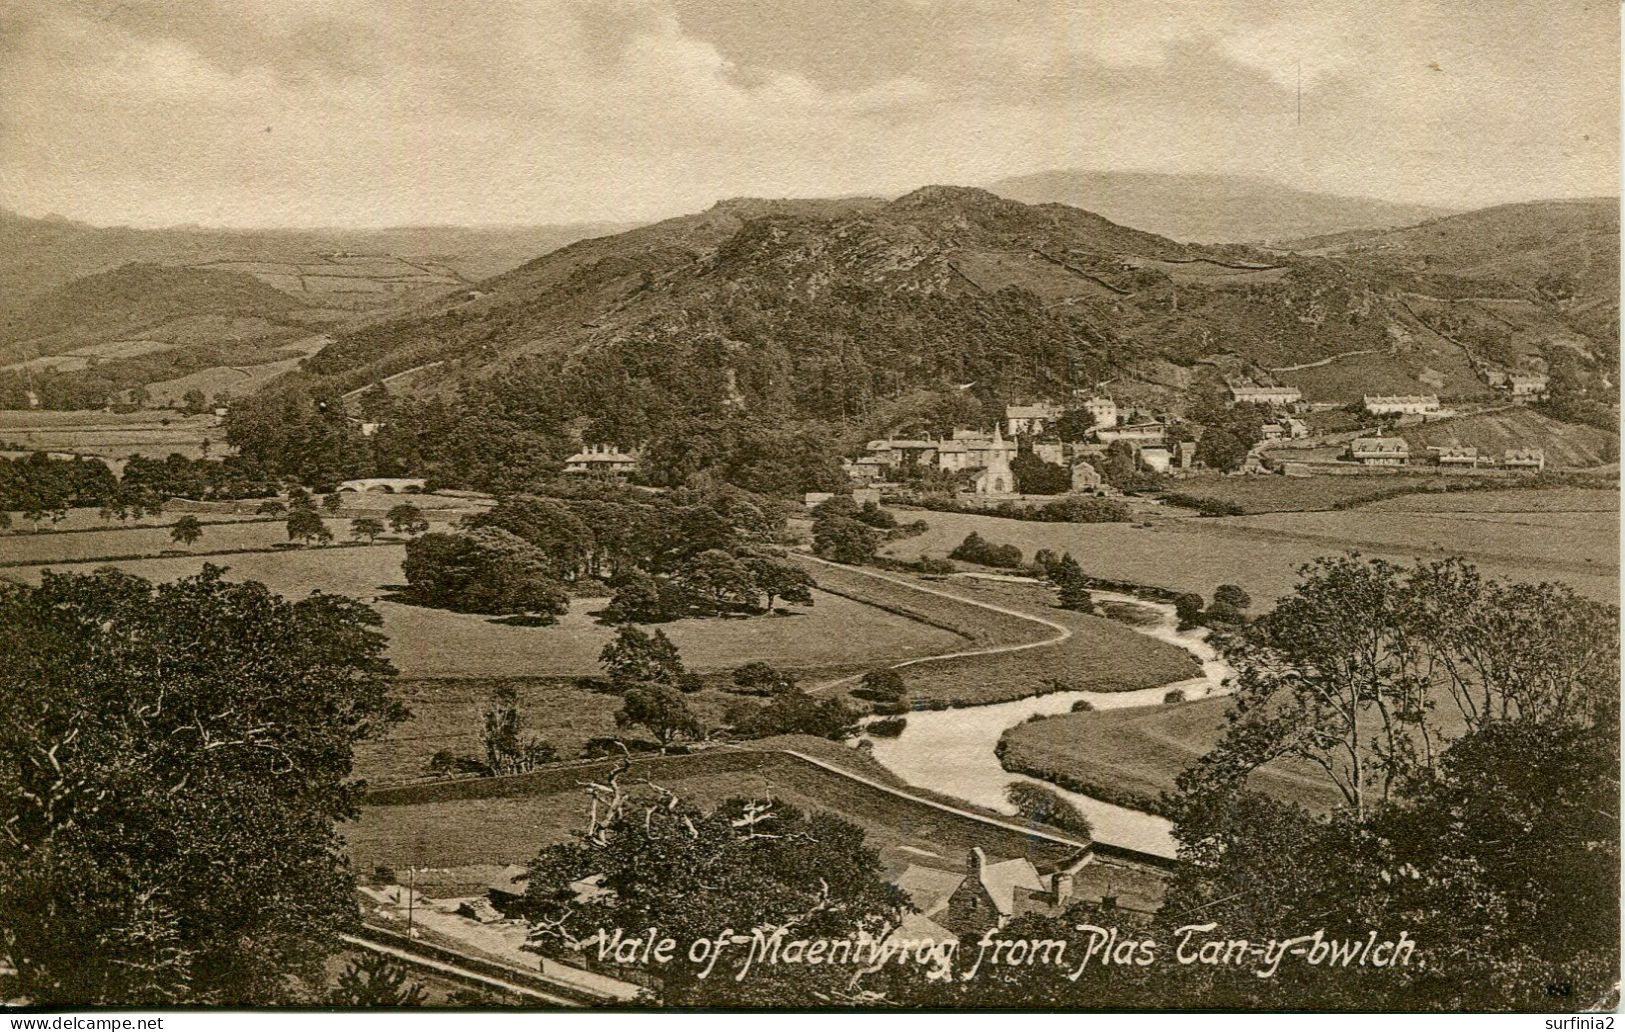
[(873, 506)]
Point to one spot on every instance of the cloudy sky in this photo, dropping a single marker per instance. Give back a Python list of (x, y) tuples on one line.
[(376, 112)]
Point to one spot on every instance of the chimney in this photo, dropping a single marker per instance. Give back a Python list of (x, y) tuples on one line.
[(977, 861), (1062, 887)]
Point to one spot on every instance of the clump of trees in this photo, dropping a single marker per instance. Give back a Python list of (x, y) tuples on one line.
[(1035, 476), (483, 571), (975, 549), (153, 736), (843, 539)]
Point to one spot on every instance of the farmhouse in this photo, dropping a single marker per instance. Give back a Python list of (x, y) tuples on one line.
[(1458, 455), (1380, 451), (1029, 420), (1529, 386), (1401, 404), (1253, 394), (1524, 458), (1102, 411), (989, 894), (601, 458)]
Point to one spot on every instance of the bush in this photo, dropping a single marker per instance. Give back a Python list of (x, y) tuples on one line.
[(890, 727), (1046, 806), (759, 678), (882, 686), (1174, 695), (1204, 506), (974, 549), (875, 516), (934, 567), (1188, 607), (1083, 706), (794, 713)]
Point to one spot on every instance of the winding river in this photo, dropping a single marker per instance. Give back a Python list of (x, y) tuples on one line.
[(952, 751)]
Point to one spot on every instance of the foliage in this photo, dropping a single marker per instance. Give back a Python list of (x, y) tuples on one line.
[(484, 571), (794, 712), (173, 760), (305, 524), (374, 980), (406, 518), (186, 531), (886, 727), (507, 750), (758, 678), (748, 864), (885, 685), (1035, 476), (844, 540), (1046, 806), (974, 549), (635, 656), (368, 527), (661, 710)]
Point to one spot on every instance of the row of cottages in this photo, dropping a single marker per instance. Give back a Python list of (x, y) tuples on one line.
[(962, 906), (1038, 419), (1529, 386), (1465, 456), (1402, 404), (1255, 394), (602, 458)]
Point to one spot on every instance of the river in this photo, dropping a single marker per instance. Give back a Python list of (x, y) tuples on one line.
[(952, 751)]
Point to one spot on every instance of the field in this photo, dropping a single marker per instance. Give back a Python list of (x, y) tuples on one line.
[(1132, 756), (1262, 553), (1299, 494), (154, 433), (432, 643), (1101, 655), (235, 381)]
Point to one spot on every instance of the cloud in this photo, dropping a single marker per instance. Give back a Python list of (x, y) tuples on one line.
[(429, 110)]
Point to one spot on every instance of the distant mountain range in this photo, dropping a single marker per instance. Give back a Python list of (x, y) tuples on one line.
[(1211, 208)]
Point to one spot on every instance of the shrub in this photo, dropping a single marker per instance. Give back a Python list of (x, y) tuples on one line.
[(1046, 806), (975, 549), (890, 727), (759, 678), (1174, 695), (1083, 706), (882, 686)]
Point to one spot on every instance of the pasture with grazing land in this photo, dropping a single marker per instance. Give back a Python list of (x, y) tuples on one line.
[(1130, 757), (1263, 553)]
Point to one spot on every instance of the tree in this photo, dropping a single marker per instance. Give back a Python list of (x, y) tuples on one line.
[(1046, 806), (747, 864), (271, 507), (332, 502), (1074, 595), (406, 518), (635, 656), (661, 710), (637, 599), (1188, 609), (192, 402), (1035, 476), (1232, 595), (758, 678), (885, 685), (779, 579), (507, 750), (186, 531), (794, 712), (176, 757), (484, 571), (305, 524), (374, 980), (717, 577), (368, 527), (844, 540)]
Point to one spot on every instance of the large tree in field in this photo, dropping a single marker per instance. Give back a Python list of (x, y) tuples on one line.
[(173, 760)]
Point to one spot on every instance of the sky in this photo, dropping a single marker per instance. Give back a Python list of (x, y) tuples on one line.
[(390, 112)]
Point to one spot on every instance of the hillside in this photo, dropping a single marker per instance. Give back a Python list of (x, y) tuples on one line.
[(832, 310), (39, 255), (1210, 208)]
